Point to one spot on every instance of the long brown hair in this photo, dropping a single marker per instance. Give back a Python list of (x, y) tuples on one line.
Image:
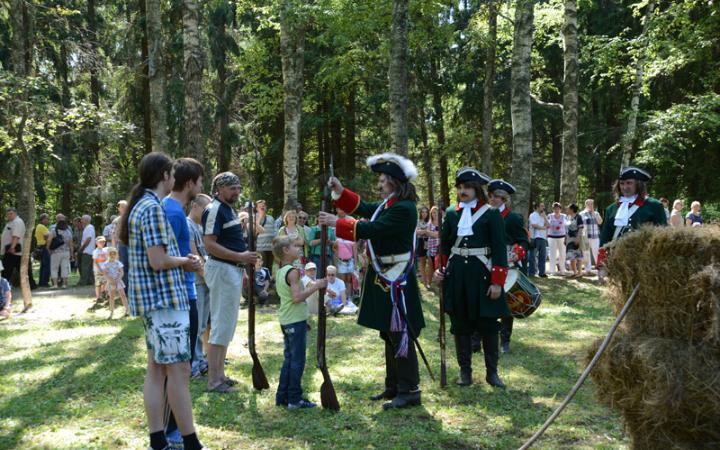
[(641, 189), (403, 190), (151, 170)]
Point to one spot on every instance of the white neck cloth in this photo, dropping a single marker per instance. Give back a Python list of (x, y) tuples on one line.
[(465, 224), (623, 214)]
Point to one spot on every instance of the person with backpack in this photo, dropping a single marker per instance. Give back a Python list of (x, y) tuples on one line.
[(61, 247)]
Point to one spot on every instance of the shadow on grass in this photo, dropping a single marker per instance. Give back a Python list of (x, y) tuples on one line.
[(47, 400)]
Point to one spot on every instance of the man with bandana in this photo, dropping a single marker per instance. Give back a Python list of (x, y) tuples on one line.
[(473, 241), (224, 241), (390, 294), (632, 209)]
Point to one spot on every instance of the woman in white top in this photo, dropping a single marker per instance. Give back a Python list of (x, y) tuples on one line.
[(556, 240)]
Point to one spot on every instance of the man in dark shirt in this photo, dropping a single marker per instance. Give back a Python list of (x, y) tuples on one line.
[(223, 238)]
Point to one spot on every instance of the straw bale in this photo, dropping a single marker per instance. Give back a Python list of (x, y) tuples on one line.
[(679, 274), (667, 390)]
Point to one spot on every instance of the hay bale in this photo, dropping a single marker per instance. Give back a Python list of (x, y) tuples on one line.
[(667, 391), (679, 274)]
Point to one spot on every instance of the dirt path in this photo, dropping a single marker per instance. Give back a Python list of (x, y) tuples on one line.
[(56, 304)]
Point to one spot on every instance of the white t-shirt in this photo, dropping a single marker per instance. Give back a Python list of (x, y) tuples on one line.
[(338, 286), (88, 232), (14, 228), (100, 256), (536, 219)]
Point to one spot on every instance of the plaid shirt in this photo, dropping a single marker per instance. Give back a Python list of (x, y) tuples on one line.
[(591, 227), (148, 289), (432, 243)]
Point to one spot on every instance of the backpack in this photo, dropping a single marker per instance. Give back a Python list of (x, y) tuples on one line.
[(57, 241)]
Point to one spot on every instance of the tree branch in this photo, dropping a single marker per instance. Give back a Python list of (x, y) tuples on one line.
[(549, 105)]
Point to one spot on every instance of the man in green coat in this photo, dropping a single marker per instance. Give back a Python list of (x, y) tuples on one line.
[(632, 209), (516, 239), (473, 235), (390, 301)]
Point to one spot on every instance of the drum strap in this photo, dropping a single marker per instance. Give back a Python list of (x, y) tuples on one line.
[(619, 230)]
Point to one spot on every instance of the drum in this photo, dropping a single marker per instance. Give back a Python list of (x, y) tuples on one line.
[(522, 296)]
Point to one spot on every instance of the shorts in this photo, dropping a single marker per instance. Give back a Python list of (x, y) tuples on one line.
[(99, 279), (167, 335), (573, 255), (345, 266), (225, 284)]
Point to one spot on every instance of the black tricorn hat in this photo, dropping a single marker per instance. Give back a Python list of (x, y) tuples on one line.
[(634, 173), (494, 185), (465, 174)]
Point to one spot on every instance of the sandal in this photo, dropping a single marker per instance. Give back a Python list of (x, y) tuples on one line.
[(222, 388), (230, 381)]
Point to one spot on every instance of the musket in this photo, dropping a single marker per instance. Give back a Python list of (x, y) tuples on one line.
[(259, 379), (441, 332), (328, 397)]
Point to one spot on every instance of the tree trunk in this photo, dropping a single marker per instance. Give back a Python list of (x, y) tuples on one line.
[(144, 78), (193, 61), (629, 138), (427, 158), (22, 46), (350, 149), (397, 74), (156, 76), (292, 49), (569, 170), (487, 124), (520, 106), (439, 113)]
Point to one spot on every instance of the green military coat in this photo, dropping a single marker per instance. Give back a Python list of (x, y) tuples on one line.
[(467, 279), (515, 230), (651, 212), (391, 233)]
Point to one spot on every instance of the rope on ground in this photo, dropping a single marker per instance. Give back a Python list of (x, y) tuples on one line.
[(585, 373)]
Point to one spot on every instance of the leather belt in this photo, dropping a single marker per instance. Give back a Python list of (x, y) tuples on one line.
[(394, 259), (232, 263), (466, 252)]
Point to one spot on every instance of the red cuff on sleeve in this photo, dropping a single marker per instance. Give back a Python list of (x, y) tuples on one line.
[(519, 252), (602, 257), (345, 229), (498, 275), (441, 262), (348, 201)]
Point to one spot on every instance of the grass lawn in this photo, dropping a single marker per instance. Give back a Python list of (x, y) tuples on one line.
[(73, 380)]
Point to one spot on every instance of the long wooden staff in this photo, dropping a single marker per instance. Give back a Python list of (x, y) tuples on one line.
[(259, 379), (328, 397), (443, 363)]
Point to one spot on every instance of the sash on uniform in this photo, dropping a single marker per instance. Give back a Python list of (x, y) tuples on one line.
[(396, 280)]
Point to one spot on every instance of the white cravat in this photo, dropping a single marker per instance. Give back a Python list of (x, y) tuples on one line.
[(465, 224), (501, 208), (623, 214)]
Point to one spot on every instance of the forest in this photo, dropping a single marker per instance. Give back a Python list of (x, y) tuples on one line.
[(554, 96)]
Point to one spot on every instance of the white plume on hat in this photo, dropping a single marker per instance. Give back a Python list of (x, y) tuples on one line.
[(407, 166)]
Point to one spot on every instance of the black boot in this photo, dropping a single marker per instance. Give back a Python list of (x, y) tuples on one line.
[(506, 328), (404, 400), (390, 391), (463, 352), (476, 342), (490, 347)]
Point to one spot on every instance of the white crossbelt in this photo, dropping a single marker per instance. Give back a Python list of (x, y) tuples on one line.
[(620, 230), (480, 253)]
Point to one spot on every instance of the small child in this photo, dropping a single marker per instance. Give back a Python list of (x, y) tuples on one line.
[(99, 257), (113, 271), (262, 280), (293, 315), (5, 298)]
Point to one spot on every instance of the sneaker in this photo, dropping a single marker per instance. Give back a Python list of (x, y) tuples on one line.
[(174, 439), (302, 404), (349, 308)]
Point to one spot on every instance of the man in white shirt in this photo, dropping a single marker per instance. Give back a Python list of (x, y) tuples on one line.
[(87, 245), (336, 295), (11, 243), (592, 221), (538, 250)]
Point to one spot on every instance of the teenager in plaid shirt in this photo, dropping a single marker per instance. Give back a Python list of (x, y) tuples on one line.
[(157, 294)]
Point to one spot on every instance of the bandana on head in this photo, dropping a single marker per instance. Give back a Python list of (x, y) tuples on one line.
[(225, 179)]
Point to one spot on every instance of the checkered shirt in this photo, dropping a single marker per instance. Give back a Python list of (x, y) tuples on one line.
[(148, 289), (591, 226)]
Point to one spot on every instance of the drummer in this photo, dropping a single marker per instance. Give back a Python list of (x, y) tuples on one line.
[(516, 239), (473, 235)]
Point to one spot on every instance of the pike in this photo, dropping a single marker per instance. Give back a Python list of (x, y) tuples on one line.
[(259, 379), (328, 397), (441, 331)]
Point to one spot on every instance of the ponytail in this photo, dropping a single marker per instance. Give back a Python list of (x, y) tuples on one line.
[(151, 170)]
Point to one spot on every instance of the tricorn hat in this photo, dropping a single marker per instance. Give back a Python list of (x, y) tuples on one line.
[(394, 165), (465, 174), (494, 185), (634, 173)]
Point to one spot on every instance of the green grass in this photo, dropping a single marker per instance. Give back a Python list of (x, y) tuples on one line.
[(73, 380)]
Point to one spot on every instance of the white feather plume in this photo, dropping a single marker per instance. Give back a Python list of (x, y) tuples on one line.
[(407, 166)]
